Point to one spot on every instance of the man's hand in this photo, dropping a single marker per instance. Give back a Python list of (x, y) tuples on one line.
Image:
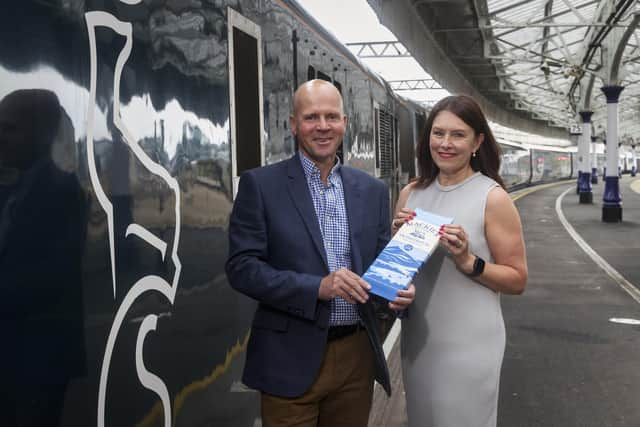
[(346, 284), (404, 298)]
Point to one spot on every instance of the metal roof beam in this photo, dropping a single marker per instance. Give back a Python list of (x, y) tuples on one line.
[(563, 48), (575, 11), (619, 51), (520, 26), (548, 7), (417, 84), (383, 49), (517, 59), (534, 86), (581, 6), (542, 39)]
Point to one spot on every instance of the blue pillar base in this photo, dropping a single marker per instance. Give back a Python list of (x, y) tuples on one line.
[(586, 198), (611, 200), (611, 213), (584, 187), (633, 171), (594, 175)]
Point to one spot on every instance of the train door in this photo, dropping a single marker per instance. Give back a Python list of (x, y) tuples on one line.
[(245, 95)]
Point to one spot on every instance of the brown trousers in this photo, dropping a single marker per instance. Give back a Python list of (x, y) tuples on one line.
[(340, 396)]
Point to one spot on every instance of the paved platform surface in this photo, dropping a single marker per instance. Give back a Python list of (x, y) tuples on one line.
[(566, 363)]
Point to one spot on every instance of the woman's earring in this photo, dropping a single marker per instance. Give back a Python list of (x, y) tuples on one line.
[(473, 154)]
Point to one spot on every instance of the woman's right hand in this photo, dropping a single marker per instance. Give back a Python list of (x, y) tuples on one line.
[(402, 216)]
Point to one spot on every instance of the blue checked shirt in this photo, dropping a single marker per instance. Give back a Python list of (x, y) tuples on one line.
[(331, 211)]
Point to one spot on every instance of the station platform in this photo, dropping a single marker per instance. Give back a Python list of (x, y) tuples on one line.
[(573, 337)]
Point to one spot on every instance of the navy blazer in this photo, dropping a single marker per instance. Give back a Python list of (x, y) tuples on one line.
[(277, 257)]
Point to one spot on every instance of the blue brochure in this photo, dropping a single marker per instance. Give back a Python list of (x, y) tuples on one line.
[(400, 260)]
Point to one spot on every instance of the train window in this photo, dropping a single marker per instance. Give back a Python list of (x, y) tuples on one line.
[(323, 76), (312, 73), (385, 130), (245, 95)]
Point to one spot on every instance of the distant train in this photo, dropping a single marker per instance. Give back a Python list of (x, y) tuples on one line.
[(115, 303), (524, 165)]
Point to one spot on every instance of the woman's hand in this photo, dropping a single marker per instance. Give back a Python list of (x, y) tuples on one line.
[(402, 216), (456, 241), (404, 299)]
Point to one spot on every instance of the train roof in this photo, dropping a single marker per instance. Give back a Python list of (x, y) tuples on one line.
[(333, 42), (315, 26)]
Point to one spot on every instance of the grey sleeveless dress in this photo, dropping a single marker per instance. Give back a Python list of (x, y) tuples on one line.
[(453, 339)]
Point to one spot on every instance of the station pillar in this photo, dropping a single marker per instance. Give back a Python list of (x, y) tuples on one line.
[(594, 161), (584, 176), (611, 200), (620, 162)]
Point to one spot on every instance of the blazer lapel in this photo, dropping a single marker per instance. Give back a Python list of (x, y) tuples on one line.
[(354, 205), (299, 191)]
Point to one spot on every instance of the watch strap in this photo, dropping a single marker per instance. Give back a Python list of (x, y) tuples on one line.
[(478, 267)]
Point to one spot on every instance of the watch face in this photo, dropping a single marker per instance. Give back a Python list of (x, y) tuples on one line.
[(478, 266)]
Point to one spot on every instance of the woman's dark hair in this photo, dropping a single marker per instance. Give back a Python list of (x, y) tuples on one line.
[(487, 158)]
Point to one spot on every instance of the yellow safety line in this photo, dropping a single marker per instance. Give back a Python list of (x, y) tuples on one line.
[(635, 185), (539, 187), (153, 417)]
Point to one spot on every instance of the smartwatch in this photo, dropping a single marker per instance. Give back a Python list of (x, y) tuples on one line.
[(478, 267)]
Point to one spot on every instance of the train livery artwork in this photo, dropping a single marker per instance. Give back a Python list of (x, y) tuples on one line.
[(124, 126)]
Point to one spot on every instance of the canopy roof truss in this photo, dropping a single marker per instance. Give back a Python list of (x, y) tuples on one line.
[(544, 52), (535, 58), (385, 49), (415, 84)]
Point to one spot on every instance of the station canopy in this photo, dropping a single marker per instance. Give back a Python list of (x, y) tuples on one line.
[(533, 64)]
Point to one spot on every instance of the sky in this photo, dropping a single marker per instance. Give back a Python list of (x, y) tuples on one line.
[(337, 16)]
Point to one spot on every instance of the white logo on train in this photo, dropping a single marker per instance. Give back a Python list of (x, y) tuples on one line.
[(149, 283)]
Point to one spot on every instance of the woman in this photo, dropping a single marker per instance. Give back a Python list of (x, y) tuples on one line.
[(453, 339)]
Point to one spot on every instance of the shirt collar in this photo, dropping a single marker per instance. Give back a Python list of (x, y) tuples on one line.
[(311, 171)]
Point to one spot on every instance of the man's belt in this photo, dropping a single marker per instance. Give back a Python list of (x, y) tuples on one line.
[(341, 331)]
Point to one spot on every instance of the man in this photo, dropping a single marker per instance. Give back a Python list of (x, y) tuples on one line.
[(301, 233), (42, 235)]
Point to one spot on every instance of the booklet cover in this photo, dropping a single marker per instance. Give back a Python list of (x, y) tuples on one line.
[(400, 260)]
